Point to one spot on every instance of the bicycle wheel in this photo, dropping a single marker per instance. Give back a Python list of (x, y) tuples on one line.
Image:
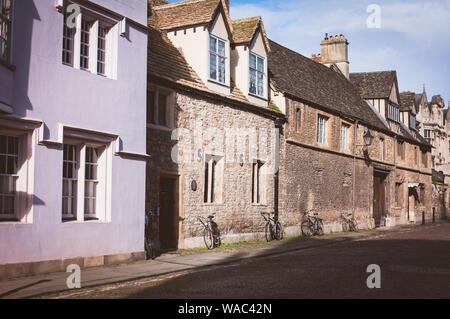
[(307, 228), (208, 238), (320, 228), (345, 227), (278, 231), (353, 226), (269, 235)]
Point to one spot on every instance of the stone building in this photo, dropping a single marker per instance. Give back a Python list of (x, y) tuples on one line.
[(325, 167), (211, 133)]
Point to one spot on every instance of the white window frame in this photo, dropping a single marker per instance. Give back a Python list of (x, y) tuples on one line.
[(217, 57), (257, 72), (102, 182), (322, 130), (213, 179), (345, 137), (23, 179), (98, 60)]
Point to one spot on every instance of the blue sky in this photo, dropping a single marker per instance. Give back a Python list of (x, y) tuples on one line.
[(414, 37)]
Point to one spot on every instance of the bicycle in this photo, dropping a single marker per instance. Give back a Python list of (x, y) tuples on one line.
[(211, 233), (273, 227), (150, 252), (348, 222), (312, 225)]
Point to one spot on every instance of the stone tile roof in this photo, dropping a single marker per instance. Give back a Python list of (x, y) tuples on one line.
[(373, 85), (301, 77), (165, 61), (188, 13), (408, 102), (244, 30)]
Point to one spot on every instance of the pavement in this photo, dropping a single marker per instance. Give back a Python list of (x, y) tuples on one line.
[(181, 263)]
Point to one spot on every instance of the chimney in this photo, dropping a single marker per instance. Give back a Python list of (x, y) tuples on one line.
[(335, 51)]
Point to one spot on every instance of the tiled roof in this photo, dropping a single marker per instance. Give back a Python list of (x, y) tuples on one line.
[(298, 76), (165, 61), (188, 13), (374, 85), (408, 102), (244, 30)]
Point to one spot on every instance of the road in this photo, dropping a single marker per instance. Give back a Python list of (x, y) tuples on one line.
[(413, 264)]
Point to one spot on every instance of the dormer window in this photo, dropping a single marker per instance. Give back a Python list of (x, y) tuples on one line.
[(393, 112), (217, 58), (256, 74)]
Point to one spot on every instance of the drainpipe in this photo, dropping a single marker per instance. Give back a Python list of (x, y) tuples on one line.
[(355, 134), (279, 126)]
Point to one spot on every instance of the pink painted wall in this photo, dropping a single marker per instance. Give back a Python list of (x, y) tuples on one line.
[(45, 89)]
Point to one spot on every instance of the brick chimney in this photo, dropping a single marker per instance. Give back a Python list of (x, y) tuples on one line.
[(335, 51)]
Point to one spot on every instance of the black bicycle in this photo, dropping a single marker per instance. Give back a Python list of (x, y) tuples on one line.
[(312, 225), (273, 227), (211, 233), (349, 223), (150, 252)]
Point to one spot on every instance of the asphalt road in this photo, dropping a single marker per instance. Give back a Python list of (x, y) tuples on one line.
[(414, 264)]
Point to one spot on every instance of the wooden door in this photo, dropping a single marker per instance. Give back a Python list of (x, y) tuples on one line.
[(379, 198), (167, 228)]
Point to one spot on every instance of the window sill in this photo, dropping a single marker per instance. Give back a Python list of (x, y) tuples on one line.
[(219, 83), (258, 97), (8, 65), (159, 127), (9, 220)]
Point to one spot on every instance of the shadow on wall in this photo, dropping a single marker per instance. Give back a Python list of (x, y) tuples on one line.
[(25, 12)]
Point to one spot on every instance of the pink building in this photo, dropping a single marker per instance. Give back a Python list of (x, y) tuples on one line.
[(72, 133)]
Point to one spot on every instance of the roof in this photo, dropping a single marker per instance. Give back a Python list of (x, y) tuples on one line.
[(408, 102), (301, 77), (373, 85), (188, 13), (244, 31), (167, 63)]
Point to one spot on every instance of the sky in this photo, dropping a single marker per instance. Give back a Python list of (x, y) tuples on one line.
[(413, 37)]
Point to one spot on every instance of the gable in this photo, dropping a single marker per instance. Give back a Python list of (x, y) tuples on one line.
[(257, 46), (218, 27)]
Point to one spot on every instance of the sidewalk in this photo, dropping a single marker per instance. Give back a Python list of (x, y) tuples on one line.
[(172, 263)]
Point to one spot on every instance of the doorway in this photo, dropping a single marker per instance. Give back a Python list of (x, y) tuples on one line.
[(379, 198), (168, 221)]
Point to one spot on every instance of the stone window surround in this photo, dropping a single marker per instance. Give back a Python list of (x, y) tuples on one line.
[(214, 188), (322, 134), (259, 183), (170, 108)]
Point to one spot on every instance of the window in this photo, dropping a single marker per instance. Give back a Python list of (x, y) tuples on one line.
[(213, 179), (9, 155), (298, 114), (91, 182), (428, 134), (69, 197), (412, 121), (322, 130), (257, 182), (382, 148), (5, 29), (256, 75), (393, 112), (401, 149), (422, 195), (88, 48), (217, 58), (415, 155), (84, 181), (345, 138), (158, 110), (68, 42), (101, 50), (398, 195), (424, 159), (84, 49)]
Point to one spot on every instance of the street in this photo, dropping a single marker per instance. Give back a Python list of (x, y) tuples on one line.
[(414, 264)]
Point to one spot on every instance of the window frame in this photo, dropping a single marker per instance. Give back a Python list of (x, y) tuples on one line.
[(68, 35), (213, 179), (322, 135), (257, 72), (345, 137), (11, 177), (154, 116), (217, 57), (257, 182)]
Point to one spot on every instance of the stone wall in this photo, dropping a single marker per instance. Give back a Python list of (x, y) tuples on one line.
[(238, 218)]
